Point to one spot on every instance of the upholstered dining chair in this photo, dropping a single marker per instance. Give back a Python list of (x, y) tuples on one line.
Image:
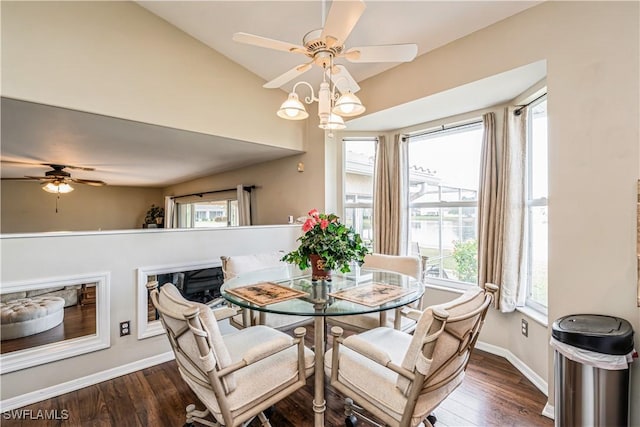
[(236, 376), (411, 266), (232, 266), (400, 378)]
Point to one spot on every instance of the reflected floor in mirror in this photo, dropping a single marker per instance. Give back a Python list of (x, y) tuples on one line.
[(79, 320)]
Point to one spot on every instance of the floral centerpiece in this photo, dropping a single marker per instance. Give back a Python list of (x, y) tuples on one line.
[(327, 245)]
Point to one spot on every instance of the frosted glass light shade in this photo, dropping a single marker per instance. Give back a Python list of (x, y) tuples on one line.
[(334, 122), (348, 105), (292, 109), (57, 187)]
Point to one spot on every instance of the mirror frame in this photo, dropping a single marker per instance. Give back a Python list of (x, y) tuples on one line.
[(21, 359), (146, 328)]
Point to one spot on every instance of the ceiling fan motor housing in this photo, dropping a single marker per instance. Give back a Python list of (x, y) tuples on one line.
[(57, 172), (318, 49)]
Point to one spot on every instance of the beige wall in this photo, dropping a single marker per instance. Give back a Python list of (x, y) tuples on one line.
[(281, 190), (118, 59), (591, 50), (28, 209)]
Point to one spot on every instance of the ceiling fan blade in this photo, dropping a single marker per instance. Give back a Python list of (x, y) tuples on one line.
[(267, 43), (343, 80), (26, 178), (51, 165), (342, 17), (288, 76), (93, 182), (383, 53)]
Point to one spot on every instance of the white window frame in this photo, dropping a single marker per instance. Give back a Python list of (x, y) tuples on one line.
[(529, 204), (440, 281), (192, 211), (355, 205)]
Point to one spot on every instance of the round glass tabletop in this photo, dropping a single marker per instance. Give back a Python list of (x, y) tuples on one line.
[(287, 290)]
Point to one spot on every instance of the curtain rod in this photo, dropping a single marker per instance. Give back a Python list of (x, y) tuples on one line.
[(518, 110), (441, 128), (246, 187)]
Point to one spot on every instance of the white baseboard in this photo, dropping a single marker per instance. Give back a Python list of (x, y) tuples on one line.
[(78, 383), (549, 411), (536, 379)]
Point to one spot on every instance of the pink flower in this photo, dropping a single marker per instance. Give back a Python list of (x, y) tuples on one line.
[(308, 224), (313, 213), (324, 224)]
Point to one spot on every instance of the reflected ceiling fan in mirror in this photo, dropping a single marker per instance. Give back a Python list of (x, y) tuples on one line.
[(321, 47), (57, 180)]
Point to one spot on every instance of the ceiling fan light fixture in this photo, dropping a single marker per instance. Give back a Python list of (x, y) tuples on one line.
[(334, 122), (292, 108), (57, 187), (348, 105)]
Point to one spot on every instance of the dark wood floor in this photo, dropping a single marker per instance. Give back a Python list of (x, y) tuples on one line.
[(493, 393), (79, 320)]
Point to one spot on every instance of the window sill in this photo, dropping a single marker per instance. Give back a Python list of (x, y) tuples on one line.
[(534, 315)]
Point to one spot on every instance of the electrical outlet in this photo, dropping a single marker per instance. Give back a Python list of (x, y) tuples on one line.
[(125, 328), (525, 328)]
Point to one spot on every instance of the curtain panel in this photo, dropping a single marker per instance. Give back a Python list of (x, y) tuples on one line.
[(501, 237), (390, 196)]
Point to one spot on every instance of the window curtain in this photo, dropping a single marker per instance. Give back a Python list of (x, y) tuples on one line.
[(244, 206), (389, 196), (501, 208), (170, 213)]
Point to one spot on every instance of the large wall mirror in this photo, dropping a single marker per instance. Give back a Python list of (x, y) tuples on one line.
[(198, 281), (52, 319)]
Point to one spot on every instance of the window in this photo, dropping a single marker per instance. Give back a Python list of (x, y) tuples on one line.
[(207, 213), (537, 206), (444, 168), (359, 157)]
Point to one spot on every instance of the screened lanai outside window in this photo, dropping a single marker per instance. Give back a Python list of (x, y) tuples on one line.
[(537, 206), (204, 214), (443, 201), (359, 158)]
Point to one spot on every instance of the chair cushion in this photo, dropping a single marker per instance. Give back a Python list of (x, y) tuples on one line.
[(260, 380), (409, 265), (238, 264)]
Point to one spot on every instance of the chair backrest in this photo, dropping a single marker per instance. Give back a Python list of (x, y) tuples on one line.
[(238, 264), (444, 338), (409, 265), (194, 336)]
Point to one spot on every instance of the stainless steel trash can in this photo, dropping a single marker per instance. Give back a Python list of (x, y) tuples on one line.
[(592, 364)]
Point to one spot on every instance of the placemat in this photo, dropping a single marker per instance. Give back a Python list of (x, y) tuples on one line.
[(265, 293), (372, 295)]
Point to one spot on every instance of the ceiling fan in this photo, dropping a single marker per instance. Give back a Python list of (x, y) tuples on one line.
[(57, 180), (321, 46)]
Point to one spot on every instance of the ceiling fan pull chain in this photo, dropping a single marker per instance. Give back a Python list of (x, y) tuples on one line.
[(57, 198)]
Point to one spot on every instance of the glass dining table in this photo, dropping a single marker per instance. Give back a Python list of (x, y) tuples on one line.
[(290, 291)]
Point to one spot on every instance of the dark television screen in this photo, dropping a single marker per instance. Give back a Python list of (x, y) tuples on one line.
[(197, 285)]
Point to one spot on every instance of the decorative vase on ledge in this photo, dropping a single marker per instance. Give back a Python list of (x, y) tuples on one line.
[(317, 268)]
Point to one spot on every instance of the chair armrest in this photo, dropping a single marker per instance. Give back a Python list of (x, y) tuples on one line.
[(224, 313), (411, 313)]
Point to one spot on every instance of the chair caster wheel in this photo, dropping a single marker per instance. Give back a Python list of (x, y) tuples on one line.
[(351, 421), (432, 419)]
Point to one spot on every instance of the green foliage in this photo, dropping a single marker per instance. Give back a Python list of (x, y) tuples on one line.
[(154, 213), (336, 243), (466, 256)]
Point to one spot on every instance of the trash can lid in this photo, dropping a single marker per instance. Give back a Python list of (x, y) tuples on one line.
[(595, 332)]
